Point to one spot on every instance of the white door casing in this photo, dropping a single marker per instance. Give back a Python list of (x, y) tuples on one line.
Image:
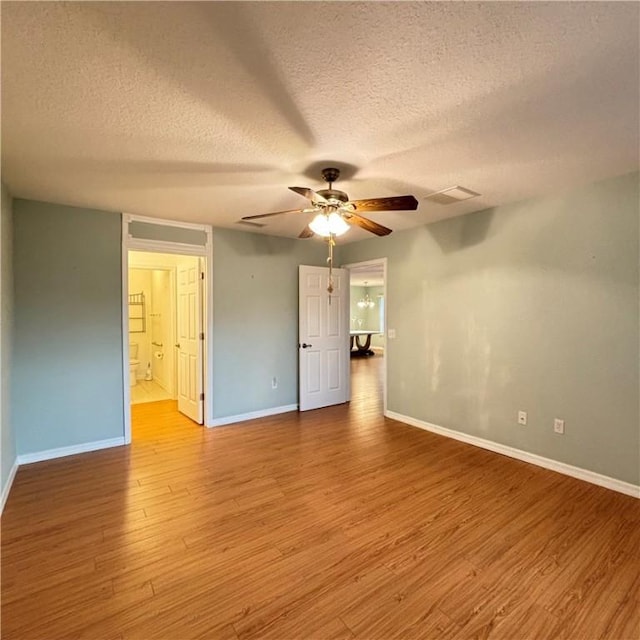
[(205, 251), (323, 338), (190, 338)]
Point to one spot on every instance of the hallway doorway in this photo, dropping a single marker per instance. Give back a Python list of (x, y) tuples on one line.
[(368, 321)]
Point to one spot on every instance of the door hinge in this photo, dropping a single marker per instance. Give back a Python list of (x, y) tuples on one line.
[(202, 396), (202, 275), (202, 336)]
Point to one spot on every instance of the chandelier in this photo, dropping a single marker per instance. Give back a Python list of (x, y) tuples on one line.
[(366, 302)]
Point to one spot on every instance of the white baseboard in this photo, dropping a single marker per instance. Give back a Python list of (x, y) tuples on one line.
[(554, 465), (7, 486), (219, 422), (50, 454)]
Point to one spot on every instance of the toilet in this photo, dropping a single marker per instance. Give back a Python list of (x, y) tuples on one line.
[(133, 364)]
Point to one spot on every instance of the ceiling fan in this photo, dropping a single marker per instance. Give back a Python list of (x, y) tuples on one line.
[(335, 212)]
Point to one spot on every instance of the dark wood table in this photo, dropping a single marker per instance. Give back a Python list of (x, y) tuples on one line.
[(361, 349)]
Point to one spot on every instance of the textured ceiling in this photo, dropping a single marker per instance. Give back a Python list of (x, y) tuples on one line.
[(206, 112)]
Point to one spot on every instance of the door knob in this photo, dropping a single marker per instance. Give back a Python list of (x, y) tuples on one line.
[(178, 345), (306, 346)]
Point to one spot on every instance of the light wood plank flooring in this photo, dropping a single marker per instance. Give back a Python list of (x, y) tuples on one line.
[(335, 523)]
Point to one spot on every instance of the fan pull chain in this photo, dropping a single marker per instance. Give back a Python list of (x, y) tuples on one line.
[(332, 242)]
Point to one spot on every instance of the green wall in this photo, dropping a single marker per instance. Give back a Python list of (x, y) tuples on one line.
[(255, 319), (67, 364), (7, 435), (530, 306), (255, 314)]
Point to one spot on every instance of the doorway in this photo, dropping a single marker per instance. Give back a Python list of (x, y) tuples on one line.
[(367, 328), (178, 242), (166, 339), (152, 316)]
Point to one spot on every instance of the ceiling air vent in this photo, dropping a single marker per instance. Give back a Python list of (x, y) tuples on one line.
[(451, 195)]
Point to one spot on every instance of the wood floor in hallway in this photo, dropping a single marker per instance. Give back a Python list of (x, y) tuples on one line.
[(334, 523)]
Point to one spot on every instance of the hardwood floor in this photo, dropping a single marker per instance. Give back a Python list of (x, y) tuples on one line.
[(335, 523)]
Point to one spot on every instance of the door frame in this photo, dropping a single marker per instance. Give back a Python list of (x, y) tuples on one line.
[(162, 246), (370, 263)]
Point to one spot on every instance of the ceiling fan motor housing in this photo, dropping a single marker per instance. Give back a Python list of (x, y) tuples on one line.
[(330, 174), (334, 194)]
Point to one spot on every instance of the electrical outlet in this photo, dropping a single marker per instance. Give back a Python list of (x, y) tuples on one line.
[(522, 417), (274, 382), (558, 426)]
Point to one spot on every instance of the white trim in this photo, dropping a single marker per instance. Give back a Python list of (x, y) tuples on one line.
[(126, 373), (207, 327), (130, 217), (547, 463), (8, 484), (252, 415), (85, 447), (371, 263), (164, 246)]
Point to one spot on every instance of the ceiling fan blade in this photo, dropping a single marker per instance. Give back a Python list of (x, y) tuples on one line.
[(309, 194), (275, 213), (306, 233), (395, 203), (367, 224)]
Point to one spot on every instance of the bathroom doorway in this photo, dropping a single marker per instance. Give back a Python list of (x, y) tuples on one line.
[(152, 311), (165, 334)]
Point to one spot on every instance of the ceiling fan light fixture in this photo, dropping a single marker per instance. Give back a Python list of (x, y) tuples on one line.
[(336, 213), (327, 224)]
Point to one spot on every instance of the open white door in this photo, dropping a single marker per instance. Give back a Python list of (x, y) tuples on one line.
[(190, 338), (323, 338)]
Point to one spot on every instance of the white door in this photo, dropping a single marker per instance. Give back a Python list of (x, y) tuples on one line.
[(323, 337), (190, 338)]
